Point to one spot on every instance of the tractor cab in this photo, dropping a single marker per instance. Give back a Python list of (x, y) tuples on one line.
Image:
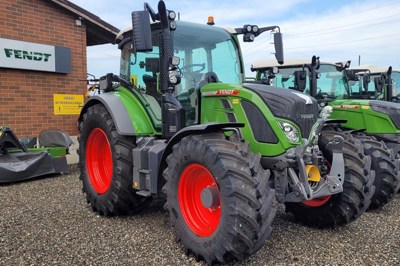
[(297, 74), (203, 55), (384, 83)]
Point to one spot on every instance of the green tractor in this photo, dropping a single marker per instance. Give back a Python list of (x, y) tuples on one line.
[(372, 122), (384, 87), (178, 122)]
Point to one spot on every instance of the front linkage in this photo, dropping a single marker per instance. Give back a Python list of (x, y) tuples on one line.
[(306, 160)]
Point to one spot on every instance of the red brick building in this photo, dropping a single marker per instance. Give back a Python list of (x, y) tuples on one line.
[(28, 89)]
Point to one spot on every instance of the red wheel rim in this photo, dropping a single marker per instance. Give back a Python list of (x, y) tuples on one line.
[(317, 202), (99, 160), (201, 220)]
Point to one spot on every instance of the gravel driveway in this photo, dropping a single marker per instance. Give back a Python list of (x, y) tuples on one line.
[(47, 221)]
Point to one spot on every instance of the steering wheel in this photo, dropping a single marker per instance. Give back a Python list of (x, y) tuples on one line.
[(184, 69)]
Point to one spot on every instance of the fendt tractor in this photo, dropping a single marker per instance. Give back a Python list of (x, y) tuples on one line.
[(179, 123), (373, 123)]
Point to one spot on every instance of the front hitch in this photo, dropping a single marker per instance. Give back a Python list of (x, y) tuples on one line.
[(331, 184), (303, 155), (334, 180)]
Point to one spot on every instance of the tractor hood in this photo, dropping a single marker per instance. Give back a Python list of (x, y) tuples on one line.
[(300, 108), (388, 108)]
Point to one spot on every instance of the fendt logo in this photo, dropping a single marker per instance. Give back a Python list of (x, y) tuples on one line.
[(26, 55)]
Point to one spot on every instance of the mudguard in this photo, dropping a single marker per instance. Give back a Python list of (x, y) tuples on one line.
[(117, 110), (129, 115)]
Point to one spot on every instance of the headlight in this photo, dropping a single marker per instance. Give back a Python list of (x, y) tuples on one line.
[(290, 131), (171, 15)]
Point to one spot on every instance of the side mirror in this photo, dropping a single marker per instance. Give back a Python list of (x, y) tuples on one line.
[(389, 72), (351, 75), (366, 80), (141, 31), (278, 47), (300, 80), (378, 82), (315, 62)]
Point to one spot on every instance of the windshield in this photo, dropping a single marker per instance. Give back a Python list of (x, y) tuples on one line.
[(372, 90), (331, 82), (203, 49), (285, 78)]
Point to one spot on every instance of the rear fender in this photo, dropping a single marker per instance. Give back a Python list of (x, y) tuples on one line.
[(129, 121)]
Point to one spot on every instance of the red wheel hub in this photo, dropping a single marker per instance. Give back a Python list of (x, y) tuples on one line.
[(317, 202), (199, 200), (99, 160)]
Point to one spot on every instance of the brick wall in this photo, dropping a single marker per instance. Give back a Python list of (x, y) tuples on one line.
[(26, 97)]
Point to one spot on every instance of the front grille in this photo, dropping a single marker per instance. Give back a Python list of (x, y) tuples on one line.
[(262, 131)]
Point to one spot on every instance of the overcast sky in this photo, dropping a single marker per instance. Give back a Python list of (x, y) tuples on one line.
[(335, 30)]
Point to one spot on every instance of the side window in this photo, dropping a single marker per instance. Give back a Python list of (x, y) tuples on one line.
[(340, 89), (144, 71), (396, 83), (354, 86)]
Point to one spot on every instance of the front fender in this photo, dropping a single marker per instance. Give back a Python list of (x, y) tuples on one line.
[(191, 130)]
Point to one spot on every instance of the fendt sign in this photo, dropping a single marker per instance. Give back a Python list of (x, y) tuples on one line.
[(34, 56)]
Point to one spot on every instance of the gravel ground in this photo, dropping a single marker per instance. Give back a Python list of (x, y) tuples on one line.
[(47, 221)]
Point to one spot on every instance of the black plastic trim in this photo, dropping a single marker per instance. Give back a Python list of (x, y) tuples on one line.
[(262, 131)]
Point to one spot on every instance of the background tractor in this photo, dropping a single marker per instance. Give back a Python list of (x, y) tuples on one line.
[(380, 83), (348, 93), (179, 122)]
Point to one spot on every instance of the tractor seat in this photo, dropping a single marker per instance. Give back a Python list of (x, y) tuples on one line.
[(209, 77), (151, 85)]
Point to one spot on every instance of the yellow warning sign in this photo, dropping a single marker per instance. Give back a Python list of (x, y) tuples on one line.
[(134, 79), (68, 104)]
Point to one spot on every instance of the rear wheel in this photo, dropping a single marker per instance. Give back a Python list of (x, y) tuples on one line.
[(384, 164), (218, 197), (342, 208), (105, 161)]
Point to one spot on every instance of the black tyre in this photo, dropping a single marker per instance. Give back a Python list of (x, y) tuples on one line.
[(343, 208), (105, 162), (218, 197), (386, 175), (395, 150)]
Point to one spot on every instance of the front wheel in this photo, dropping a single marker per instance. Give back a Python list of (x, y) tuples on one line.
[(218, 197), (342, 208), (105, 162)]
